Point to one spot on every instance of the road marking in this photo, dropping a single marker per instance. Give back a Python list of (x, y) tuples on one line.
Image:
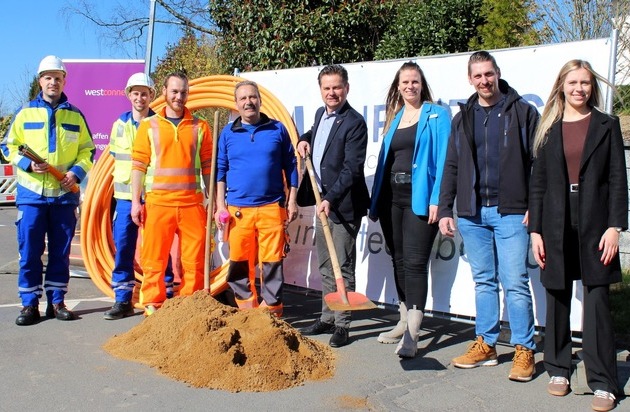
[(74, 273), (70, 303)]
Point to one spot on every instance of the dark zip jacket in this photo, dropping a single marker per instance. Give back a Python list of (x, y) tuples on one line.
[(460, 178)]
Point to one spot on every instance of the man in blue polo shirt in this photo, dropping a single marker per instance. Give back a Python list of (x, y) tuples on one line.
[(255, 158)]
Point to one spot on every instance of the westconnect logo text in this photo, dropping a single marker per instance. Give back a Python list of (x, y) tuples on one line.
[(104, 92)]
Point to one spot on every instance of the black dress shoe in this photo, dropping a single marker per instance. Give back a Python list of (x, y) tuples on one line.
[(340, 337), (119, 310), (59, 311), (29, 315), (318, 328)]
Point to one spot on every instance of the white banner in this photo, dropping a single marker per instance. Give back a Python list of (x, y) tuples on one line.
[(529, 70)]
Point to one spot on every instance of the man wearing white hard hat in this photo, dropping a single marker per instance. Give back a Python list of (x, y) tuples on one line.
[(58, 133), (140, 91)]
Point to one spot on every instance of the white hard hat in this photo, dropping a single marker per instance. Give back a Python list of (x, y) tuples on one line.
[(139, 79), (51, 63)]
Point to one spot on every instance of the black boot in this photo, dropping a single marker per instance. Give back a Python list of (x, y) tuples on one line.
[(318, 328), (340, 337), (119, 310), (29, 315), (59, 311)]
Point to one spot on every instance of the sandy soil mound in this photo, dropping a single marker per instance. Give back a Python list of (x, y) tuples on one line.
[(204, 343)]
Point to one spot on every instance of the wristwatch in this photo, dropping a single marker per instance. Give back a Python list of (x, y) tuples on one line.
[(619, 229)]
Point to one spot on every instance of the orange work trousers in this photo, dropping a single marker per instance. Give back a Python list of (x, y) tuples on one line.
[(258, 232), (160, 226)]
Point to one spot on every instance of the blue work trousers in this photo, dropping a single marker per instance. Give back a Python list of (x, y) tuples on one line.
[(34, 224)]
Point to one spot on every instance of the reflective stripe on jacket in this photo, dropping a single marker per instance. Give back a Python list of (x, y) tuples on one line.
[(120, 146), (172, 158), (61, 136)]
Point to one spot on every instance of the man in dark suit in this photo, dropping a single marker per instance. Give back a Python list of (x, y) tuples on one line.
[(337, 143)]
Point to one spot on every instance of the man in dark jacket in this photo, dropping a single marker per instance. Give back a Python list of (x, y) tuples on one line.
[(337, 143), (487, 170)]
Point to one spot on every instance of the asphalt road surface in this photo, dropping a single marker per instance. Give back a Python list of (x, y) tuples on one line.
[(60, 366)]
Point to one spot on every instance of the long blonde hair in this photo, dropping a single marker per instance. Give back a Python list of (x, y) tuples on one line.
[(394, 102), (554, 108)]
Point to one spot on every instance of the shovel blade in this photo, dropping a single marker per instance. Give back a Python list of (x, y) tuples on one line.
[(355, 301)]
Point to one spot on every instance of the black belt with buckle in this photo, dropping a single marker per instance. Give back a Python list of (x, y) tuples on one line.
[(401, 178), (574, 188)]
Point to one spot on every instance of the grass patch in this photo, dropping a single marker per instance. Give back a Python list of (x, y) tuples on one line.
[(620, 309), (621, 100)]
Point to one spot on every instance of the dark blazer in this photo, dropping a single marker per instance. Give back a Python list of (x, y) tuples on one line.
[(342, 176), (603, 201)]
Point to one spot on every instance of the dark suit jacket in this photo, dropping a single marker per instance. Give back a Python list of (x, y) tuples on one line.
[(342, 176), (603, 201)]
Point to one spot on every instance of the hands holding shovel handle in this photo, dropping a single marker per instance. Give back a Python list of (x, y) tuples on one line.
[(342, 299)]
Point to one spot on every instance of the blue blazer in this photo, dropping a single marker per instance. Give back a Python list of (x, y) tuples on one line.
[(434, 129)]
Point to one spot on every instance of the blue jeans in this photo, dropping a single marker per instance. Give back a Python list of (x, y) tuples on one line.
[(497, 246)]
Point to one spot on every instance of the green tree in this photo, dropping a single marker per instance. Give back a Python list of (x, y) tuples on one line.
[(264, 34), (428, 27), (194, 55), (506, 23), (34, 88), (5, 122)]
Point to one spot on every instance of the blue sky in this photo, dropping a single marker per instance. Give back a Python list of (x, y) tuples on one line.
[(32, 29)]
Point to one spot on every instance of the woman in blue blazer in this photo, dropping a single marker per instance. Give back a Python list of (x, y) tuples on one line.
[(405, 194)]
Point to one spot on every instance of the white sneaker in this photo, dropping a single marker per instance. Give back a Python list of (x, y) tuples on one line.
[(603, 401)]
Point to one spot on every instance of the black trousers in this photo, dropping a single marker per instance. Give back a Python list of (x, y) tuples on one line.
[(409, 238), (598, 339)]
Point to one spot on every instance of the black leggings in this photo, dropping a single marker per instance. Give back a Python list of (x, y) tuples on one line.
[(409, 238)]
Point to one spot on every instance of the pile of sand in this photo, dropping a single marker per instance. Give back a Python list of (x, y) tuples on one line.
[(204, 343)]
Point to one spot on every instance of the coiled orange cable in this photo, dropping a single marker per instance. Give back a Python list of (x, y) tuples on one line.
[(97, 244)]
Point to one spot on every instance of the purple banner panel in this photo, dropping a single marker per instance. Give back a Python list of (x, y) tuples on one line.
[(97, 88)]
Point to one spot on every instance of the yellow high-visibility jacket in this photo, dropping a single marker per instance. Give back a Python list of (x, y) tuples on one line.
[(61, 136), (120, 146)]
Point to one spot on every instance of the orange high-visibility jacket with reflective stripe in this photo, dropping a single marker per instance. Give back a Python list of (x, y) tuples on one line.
[(172, 157)]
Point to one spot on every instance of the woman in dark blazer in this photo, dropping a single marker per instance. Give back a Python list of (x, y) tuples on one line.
[(405, 194), (578, 205)]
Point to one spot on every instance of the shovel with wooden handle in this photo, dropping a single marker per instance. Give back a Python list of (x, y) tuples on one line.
[(210, 212), (341, 299)]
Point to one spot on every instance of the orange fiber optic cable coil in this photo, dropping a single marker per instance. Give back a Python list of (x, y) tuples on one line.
[(97, 244)]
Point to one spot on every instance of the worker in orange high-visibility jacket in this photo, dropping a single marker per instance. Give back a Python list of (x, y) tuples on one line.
[(172, 150)]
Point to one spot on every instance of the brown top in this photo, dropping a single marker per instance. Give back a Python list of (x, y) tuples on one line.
[(573, 138)]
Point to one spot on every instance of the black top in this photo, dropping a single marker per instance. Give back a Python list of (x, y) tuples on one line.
[(402, 146)]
